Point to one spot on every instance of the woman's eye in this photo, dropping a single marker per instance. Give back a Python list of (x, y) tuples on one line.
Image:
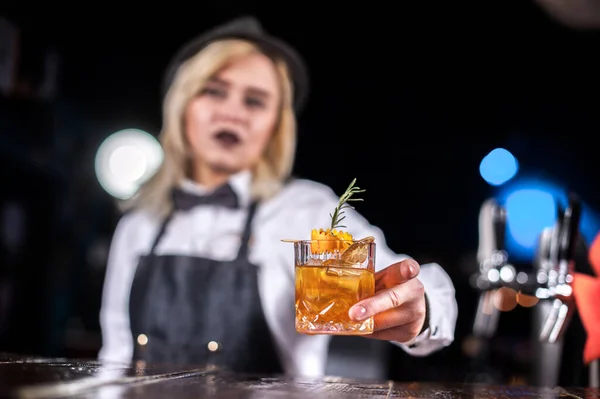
[(213, 91), (255, 102)]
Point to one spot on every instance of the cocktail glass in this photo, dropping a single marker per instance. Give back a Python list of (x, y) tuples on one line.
[(331, 276)]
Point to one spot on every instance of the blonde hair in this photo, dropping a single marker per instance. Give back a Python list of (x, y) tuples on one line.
[(272, 169)]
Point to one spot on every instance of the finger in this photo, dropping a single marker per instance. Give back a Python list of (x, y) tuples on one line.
[(400, 333), (397, 273), (399, 317), (381, 301)]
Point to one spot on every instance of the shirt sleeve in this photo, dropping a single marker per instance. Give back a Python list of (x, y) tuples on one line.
[(442, 312), (117, 342), (442, 305)]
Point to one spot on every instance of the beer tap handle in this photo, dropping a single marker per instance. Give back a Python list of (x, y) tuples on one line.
[(556, 321), (556, 233), (568, 239), (543, 250), (487, 236), (499, 220), (492, 222), (559, 276)]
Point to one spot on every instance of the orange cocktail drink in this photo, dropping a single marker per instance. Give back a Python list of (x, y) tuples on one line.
[(331, 276), (333, 272)]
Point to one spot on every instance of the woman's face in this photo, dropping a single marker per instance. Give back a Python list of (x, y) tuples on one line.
[(229, 123)]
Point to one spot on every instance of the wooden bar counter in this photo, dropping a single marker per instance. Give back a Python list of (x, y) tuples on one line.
[(24, 377)]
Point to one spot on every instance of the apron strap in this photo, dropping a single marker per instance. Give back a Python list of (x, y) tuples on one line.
[(243, 251), (161, 232)]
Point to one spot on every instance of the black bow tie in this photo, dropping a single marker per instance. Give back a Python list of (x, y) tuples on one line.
[(223, 196)]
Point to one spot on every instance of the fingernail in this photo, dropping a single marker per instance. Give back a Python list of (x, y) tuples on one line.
[(358, 312), (411, 270)]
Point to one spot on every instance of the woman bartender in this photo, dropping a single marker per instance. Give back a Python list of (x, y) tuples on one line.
[(197, 272)]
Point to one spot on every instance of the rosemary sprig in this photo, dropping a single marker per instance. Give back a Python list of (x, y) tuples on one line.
[(338, 214)]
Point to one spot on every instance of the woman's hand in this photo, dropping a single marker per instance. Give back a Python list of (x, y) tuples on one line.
[(398, 305)]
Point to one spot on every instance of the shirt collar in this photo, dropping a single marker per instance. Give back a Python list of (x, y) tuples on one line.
[(240, 183)]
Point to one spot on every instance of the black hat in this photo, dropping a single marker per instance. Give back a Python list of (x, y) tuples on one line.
[(247, 28)]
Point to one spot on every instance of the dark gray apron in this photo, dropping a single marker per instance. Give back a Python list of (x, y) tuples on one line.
[(189, 306)]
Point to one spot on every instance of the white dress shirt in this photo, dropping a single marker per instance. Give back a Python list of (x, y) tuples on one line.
[(214, 232)]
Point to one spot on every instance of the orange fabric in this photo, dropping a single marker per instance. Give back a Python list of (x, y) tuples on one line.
[(587, 295), (594, 255), (586, 290)]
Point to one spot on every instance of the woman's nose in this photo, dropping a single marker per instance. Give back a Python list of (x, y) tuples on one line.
[(233, 110)]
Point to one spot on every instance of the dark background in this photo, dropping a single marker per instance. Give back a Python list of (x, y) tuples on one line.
[(407, 98)]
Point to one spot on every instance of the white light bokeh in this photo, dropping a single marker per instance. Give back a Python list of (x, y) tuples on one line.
[(125, 160)]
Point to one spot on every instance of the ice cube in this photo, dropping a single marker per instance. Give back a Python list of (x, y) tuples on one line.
[(314, 262), (338, 263), (343, 272), (344, 278)]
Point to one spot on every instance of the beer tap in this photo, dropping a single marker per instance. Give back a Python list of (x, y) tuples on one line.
[(554, 264), (549, 285), (554, 267), (556, 273), (490, 256), (495, 270)]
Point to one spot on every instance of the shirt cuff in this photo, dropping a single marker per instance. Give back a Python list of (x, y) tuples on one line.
[(425, 332), (430, 339)]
